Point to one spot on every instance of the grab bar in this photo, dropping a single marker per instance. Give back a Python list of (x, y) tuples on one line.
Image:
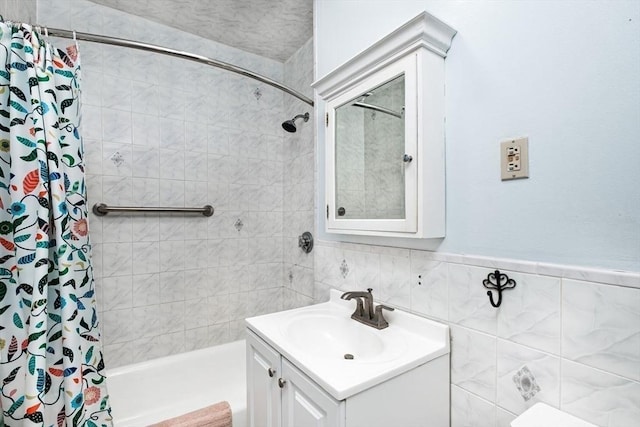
[(101, 209)]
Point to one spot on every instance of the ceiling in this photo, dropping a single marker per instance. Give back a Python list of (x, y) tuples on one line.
[(271, 28)]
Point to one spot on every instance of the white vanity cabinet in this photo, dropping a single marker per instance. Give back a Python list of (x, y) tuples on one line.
[(280, 395), (384, 135)]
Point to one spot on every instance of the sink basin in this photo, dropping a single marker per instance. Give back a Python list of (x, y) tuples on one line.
[(328, 335), (317, 338)]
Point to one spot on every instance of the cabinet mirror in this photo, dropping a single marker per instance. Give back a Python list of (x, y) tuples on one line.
[(369, 154)]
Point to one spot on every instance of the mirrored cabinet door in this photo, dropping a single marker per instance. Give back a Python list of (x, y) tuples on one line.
[(372, 150), (369, 136)]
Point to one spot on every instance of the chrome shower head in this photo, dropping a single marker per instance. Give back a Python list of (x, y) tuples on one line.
[(290, 125)]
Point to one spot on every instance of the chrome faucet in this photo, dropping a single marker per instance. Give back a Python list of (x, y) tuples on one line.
[(365, 311)]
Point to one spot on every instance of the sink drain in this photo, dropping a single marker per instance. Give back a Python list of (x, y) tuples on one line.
[(348, 356)]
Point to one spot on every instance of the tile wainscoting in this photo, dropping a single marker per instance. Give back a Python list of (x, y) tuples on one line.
[(566, 336)]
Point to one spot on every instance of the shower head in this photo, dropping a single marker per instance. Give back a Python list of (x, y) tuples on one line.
[(290, 125)]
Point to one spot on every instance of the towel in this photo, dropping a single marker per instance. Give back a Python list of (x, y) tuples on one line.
[(218, 415)]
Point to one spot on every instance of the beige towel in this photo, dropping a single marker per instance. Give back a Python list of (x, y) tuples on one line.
[(218, 415)]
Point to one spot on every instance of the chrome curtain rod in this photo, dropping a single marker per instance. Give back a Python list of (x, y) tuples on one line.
[(115, 41), (101, 209)]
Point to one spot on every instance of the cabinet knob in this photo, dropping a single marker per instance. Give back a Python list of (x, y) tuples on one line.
[(407, 158), (271, 372), (281, 382)]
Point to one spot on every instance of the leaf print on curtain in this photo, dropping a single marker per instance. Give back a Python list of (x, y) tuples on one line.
[(51, 363)]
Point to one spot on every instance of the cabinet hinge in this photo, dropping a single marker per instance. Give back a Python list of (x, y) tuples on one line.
[(326, 119), (327, 211)]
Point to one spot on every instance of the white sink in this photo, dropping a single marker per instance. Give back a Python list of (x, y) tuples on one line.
[(317, 338), (333, 336)]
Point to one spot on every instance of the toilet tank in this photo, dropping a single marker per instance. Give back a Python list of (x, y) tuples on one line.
[(543, 415)]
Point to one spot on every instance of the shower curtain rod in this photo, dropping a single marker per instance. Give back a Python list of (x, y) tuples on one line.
[(115, 41)]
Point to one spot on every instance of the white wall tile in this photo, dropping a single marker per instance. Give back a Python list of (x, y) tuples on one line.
[(117, 293), (116, 92), (145, 162), (145, 228), (504, 418), (117, 191), (146, 290), (530, 312), (429, 286), (119, 256), (599, 397), (116, 229), (601, 326), (469, 410), (395, 280), (469, 304), (117, 125), (146, 257), (146, 129), (473, 362), (146, 191)]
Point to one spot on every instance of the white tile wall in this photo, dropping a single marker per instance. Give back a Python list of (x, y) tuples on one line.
[(577, 336), (188, 135), (19, 10), (297, 152)]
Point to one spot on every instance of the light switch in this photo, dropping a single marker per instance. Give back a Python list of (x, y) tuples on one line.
[(514, 159)]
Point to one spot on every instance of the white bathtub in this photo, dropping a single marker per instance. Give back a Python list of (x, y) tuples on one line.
[(148, 392)]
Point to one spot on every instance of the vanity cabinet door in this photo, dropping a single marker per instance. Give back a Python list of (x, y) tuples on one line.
[(305, 404), (263, 392)]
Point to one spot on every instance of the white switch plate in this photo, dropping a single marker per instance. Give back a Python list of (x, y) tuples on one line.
[(514, 159)]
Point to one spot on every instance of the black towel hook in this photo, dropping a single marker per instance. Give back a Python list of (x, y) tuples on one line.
[(495, 281)]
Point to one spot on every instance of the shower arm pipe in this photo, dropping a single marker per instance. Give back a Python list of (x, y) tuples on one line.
[(115, 41), (101, 209)]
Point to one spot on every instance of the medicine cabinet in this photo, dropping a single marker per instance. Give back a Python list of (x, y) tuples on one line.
[(384, 135)]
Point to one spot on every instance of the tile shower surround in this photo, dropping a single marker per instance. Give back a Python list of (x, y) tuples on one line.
[(176, 133), (577, 331)]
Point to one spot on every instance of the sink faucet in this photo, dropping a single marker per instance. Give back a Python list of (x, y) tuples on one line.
[(365, 311)]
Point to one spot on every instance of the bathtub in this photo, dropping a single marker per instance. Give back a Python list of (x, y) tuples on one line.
[(149, 392)]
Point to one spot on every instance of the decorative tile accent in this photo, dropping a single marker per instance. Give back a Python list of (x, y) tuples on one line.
[(344, 269), (525, 377), (117, 159), (257, 93), (238, 224), (526, 383)]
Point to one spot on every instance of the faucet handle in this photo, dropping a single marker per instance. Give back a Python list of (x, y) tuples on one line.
[(381, 322), (381, 307)]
